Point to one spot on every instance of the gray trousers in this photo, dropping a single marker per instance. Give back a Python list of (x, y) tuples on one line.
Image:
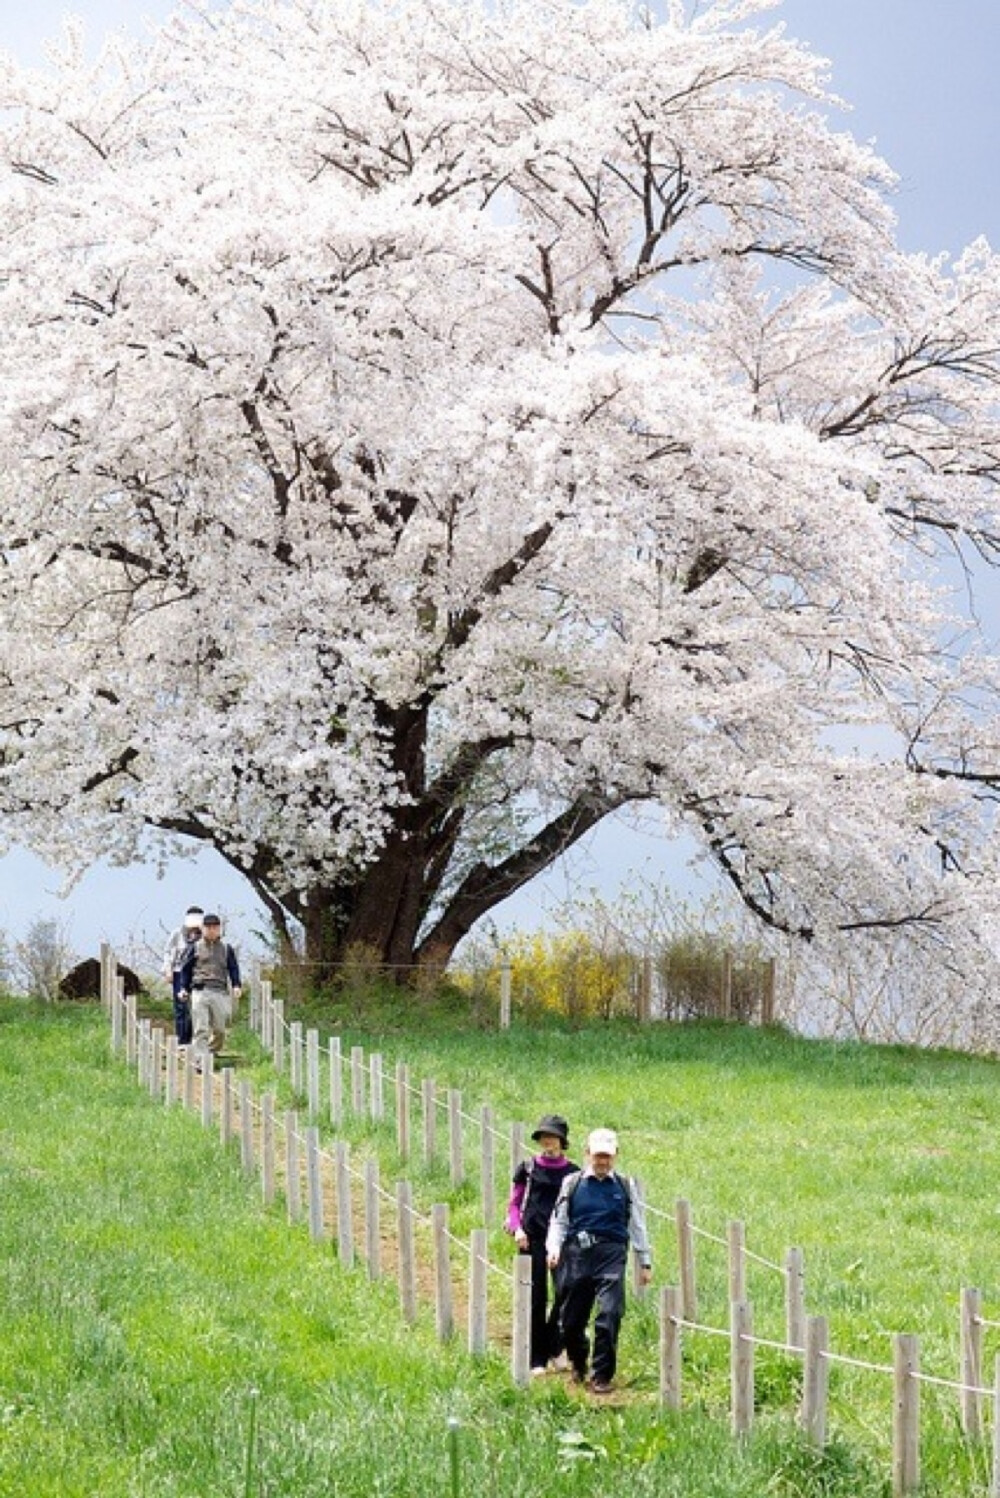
[(211, 1011)]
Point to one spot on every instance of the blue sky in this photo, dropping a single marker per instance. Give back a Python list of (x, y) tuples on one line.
[(921, 77)]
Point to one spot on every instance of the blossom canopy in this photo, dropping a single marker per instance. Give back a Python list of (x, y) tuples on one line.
[(432, 426)]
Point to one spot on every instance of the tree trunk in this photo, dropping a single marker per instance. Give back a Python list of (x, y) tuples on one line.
[(376, 919), (381, 916)]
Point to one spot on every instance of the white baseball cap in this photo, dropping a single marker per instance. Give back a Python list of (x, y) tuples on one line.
[(602, 1142)]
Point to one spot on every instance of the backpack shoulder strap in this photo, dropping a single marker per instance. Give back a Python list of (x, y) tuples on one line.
[(528, 1166), (628, 1186), (570, 1183)]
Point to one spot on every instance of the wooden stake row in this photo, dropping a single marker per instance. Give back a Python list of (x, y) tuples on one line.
[(806, 1336), (366, 1084), (158, 1070)]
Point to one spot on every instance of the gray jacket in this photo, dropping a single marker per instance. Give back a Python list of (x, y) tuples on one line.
[(210, 964)]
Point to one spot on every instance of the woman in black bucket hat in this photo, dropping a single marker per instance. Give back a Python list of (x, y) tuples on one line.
[(533, 1196)]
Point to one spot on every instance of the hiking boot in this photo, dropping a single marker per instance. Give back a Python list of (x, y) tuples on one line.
[(600, 1386)]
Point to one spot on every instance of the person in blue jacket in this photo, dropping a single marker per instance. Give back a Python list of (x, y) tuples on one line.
[(210, 976), (598, 1214)]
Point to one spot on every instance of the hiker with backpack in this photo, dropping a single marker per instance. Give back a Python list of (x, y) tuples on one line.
[(533, 1196), (173, 960), (210, 976), (597, 1215)]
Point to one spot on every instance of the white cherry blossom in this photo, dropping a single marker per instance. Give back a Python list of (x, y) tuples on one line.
[(430, 427)]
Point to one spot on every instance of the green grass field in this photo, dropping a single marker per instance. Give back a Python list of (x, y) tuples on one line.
[(164, 1335)]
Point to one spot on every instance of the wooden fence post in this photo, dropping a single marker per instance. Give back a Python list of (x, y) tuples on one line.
[(373, 1235), (736, 1240), (970, 1374), (145, 1059), (189, 1076), (487, 1184), (154, 1060), (336, 1082), (207, 1074), (141, 1063), (478, 1251), (131, 1037), (444, 1317), (266, 1014), (407, 1251), (376, 1091), (246, 1128), (267, 1148), (345, 1215), (293, 1179), (795, 1299), (314, 1181), (402, 1110), (226, 1110), (455, 1137), (117, 1018), (505, 977), (147, 1041), (815, 1382), (170, 1080), (278, 1036), (312, 1074), (253, 1014), (741, 1367), (295, 1058), (357, 1080), (670, 1348), (906, 1414), (107, 966), (520, 1346), (156, 1065), (143, 1048), (256, 1014), (427, 1097), (685, 1254)]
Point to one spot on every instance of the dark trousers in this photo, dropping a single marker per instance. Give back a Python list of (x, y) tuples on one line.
[(182, 1016), (589, 1275), (546, 1336)]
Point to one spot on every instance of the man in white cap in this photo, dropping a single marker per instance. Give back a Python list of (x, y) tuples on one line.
[(598, 1214), (187, 932)]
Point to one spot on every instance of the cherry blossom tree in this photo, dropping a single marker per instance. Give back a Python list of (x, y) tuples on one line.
[(429, 427)]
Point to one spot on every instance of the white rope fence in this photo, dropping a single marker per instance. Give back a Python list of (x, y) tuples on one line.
[(806, 1336), (905, 1371), (315, 1177), (365, 1082)]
